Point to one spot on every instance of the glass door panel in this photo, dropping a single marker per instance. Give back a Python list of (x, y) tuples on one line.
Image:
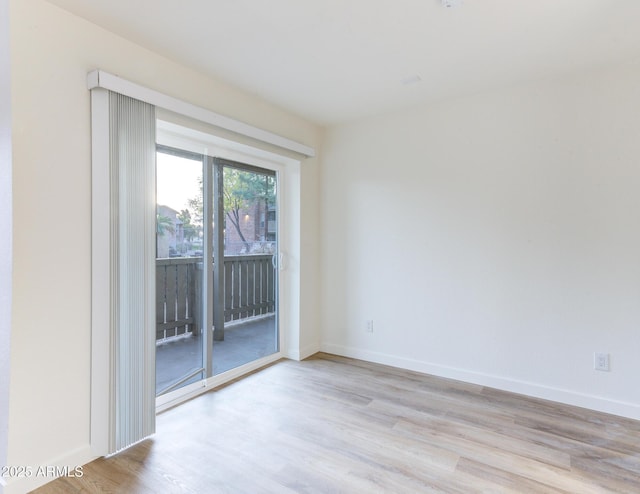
[(235, 220), (179, 270), (248, 276)]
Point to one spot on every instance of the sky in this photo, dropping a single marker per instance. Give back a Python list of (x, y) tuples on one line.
[(177, 180)]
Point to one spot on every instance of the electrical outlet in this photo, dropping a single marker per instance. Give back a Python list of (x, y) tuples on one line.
[(369, 326), (601, 361)]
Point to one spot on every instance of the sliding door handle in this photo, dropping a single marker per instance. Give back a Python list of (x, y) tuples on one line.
[(278, 261)]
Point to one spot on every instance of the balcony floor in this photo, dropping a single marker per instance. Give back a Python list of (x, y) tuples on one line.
[(243, 342)]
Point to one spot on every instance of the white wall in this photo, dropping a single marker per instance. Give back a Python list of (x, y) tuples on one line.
[(52, 51), (5, 230), (493, 239)]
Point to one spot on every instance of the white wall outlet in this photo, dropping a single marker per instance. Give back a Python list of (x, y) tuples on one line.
[(601, 361), (369, 326)]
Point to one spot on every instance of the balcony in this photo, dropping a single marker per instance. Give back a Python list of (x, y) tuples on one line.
[(249, 314)]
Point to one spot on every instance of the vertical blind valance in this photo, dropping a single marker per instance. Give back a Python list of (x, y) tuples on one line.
[(101, 79)]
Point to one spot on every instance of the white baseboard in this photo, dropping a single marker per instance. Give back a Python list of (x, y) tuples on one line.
[(42, 474), (598, 403), (302, 353)]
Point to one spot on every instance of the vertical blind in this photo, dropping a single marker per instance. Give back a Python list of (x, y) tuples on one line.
[(123, 348), (132, 169)]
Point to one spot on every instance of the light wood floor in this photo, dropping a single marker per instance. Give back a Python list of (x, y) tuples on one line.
[(331, 424)]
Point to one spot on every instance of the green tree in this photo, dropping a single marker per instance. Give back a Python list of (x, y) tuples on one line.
[(243, 189), (189, 229), (195, 209), (164, 224)]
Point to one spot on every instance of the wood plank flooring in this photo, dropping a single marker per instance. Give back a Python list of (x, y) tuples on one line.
[(332, 424)]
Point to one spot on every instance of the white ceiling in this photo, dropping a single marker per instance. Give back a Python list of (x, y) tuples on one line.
[(337, 60)]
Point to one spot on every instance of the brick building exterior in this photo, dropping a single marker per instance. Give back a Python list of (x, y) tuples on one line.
[(259, 228)]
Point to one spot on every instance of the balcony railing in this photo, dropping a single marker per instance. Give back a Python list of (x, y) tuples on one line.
[(249, 291)]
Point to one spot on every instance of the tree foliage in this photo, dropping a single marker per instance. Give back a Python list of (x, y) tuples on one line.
[(189, 229), (242, 189), (164, 224), (195, 208)]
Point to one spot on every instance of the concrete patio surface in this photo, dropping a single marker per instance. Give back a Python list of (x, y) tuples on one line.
[(244, 342)]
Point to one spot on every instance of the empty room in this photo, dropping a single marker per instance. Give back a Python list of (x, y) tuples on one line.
[(324, 246)]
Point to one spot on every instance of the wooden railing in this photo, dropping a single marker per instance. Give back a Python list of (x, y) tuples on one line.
[(249, 291), (178, 282), (249, 286)]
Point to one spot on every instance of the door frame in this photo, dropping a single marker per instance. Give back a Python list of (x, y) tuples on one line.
[(212, 179)]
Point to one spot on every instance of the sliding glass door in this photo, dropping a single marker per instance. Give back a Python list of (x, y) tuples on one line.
[(245, 319), (179, 270), (216, 267)]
